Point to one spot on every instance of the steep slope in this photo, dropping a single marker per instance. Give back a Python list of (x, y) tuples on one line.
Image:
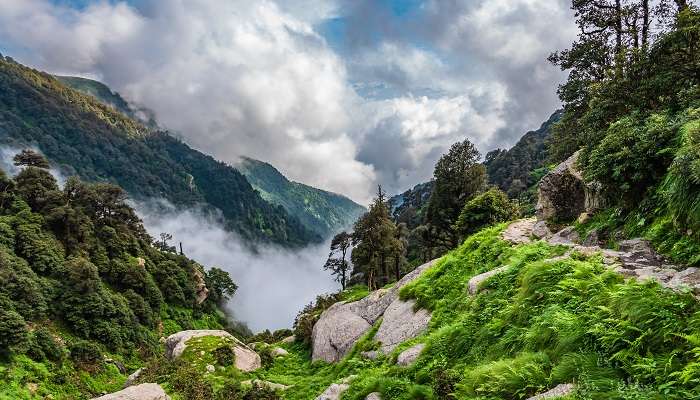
[(106, 95), (320, 211), (85, 137)]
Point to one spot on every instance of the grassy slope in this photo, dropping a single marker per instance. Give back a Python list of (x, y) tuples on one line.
[(539, 324), (320, 211)]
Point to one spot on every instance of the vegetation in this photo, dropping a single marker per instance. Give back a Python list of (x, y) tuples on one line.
[(84, 137), (81, 282), (487, 209), (322, 212)]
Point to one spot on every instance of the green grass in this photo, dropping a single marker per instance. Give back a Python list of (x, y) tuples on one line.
[(539, 324)]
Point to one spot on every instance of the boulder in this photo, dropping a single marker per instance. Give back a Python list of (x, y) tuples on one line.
[(289, 339), (246, 359), (477, 280), (342, 324), (145, 391), (200, 285), (260, 383), (279, 352), (410, 355), (370, 355), (540, 230), (520, 231), (567, 236), (558, 391), (334, 391), (373, 396), (400, 324), (563, 195)]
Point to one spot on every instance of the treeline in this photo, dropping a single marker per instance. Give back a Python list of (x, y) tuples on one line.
[(381, 249), (79, 275), (87, 138)]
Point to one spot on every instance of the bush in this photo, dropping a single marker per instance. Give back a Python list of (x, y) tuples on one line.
[(85, 352), (42, 345), (224, 356), (13, 331), (190, 384), (488, 208)]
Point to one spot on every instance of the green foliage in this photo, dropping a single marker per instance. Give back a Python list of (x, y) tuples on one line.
[(220, 285), (85, 352), (458, 177), (318, 210), (13, 331), (82, 136), (488, 208)]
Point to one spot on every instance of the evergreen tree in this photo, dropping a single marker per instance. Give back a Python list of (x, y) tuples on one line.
[(336, 262), (375, 242), (458, 177), (30, 158)]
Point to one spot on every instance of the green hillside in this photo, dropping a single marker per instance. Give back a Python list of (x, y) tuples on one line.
[(85, 137), (320, 211), (85, 293)]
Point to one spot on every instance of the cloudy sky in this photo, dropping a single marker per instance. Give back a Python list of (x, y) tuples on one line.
[(339, 94)]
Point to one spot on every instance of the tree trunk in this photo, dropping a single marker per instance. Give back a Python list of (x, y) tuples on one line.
[(645, 23)]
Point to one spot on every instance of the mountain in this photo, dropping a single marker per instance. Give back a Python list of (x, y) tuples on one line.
[(82, 136), (323, 212), (512, 170), (106, 95)]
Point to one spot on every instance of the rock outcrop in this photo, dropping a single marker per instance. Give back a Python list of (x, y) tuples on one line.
[(246, 359), (373, 396), (477, 280), (401, 323), (200, 285), (635, 258), (145, 391), (558, 391), (563, 194), (410, 355), (342, 324), (131, 379)]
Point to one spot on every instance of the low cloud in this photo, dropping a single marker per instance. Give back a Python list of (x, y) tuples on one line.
[(274, 284)]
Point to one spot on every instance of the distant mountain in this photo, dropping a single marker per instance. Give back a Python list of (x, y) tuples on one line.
[(408, 206), (82, 136), (106, 95), (323, 212), (514, 170), (319, 211)]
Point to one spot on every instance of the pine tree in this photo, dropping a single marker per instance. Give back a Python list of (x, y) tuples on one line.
[(336, 262)]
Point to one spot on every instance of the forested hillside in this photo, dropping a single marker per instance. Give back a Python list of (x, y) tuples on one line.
[(85, 293), (322, 212), (84, 137), (519, 168)]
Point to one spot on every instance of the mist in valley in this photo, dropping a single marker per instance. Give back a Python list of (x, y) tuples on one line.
[(273, 283)]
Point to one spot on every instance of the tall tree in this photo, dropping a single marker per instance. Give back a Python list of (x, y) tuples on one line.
[(375, 242), (337, 263), (459, 176)]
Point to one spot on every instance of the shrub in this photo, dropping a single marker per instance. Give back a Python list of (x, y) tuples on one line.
[(42, 345), (190, 384), (488, 208), (224, 356), (85, 352), (13, 331)]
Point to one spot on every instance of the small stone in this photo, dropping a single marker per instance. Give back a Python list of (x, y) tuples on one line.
[(583, 218), (410, 355), (558, 391), (210, 368), (32, 387), (370, 355), (133, 377), (373, 396)]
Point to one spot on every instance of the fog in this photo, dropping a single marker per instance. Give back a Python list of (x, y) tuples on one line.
[(274, 284)]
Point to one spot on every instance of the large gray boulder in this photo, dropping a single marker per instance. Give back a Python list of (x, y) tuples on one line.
[(563, 194), (342, 324), (476, 281), (145, 391), (246, 359), (400, 324)]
